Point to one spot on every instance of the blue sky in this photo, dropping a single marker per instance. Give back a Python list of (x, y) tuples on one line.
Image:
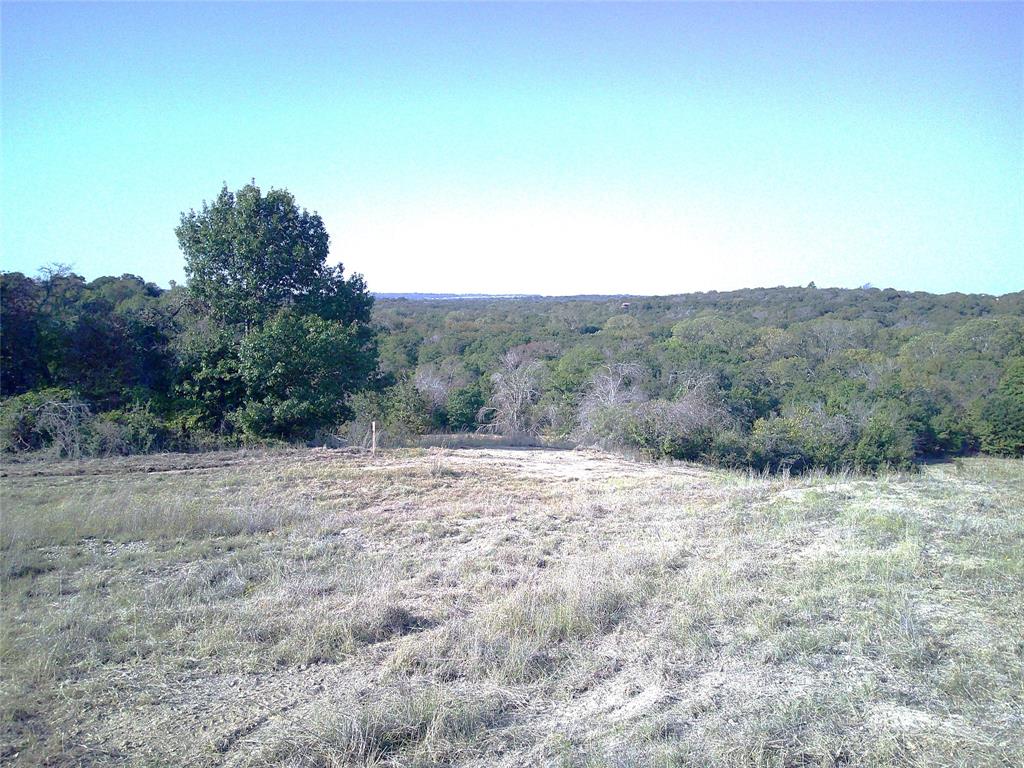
[(569, 148)]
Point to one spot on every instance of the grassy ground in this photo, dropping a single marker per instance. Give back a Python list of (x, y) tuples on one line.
[(495, 607)]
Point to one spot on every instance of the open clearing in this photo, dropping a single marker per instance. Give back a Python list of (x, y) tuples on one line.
[(497, 607)]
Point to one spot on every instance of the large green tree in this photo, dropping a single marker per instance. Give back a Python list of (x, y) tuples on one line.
[(249, 254), (280, 338)]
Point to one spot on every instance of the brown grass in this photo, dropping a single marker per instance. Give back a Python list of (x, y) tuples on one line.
[(508, 607)]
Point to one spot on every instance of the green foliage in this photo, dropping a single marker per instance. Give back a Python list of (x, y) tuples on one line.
[(22, 423), (572, 371), (211, 377), (885, 442), (247, 255), (659, 428), (612, 426), (101, 339), (298, 371), (801, 438), (405, 410), (1002, 415), (268, 341), (1012, 383), (399, 410), (462, 407), (711, 338), (129, 431), (952, 433), (281, 339), (58, 421), (729, 448), (22, 362), (267, 337)]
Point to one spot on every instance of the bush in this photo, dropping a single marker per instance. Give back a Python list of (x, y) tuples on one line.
[(405, 410), (18, 428), (298, 371), (952, 433), (660, 428), (129, 431), (729, 448), (1001, 420), (607, 426), (1001, 426), (884, 443), (801, 438), (399, 410), (462, 407), (777, 443), (54, 419)]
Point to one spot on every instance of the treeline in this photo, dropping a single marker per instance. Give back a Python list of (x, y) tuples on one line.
[(90, 367), (267, 342), (775, 378), (781, 378)]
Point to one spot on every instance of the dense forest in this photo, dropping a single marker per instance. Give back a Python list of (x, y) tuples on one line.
[(266, 342), (772, 378), (782, 377)]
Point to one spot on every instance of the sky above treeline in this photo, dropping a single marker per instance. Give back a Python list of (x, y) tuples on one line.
[(530, 148)]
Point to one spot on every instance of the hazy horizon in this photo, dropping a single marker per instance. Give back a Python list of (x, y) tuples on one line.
[(559, 150)]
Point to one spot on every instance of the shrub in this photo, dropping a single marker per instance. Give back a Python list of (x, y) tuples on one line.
[(729, 448), (54, 419), (884, 442), (1001, 425), (776, 443), (669, 429), (1001, 420), (953, 433), (298, 371), (801, 438), (462, 407), (405, 410), (399, 410), (607, 426), (18, 428), (128, 431)]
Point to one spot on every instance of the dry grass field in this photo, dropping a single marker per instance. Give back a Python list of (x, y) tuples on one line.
[(497, 607)]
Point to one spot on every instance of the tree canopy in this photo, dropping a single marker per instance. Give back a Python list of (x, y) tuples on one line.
[(248, 255)]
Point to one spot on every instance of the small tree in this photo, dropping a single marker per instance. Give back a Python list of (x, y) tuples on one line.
[(885, 442), (462, 407), (515, 391), (51, 418)]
